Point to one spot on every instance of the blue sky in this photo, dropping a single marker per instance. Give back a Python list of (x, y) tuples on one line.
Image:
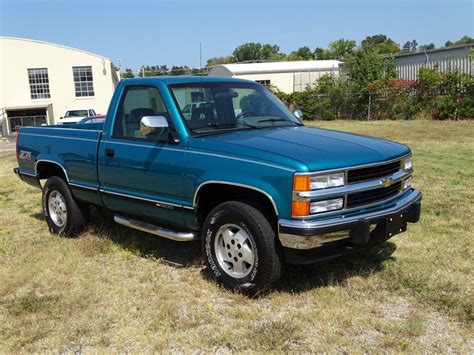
[(168, 32)]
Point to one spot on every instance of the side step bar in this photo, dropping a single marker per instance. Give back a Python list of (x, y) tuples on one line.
[(151, 228)]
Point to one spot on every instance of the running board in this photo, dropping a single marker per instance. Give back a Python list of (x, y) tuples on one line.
[(152, 229)]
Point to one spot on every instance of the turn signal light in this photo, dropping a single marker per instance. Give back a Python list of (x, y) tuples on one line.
[(300, 208), (301, 183)]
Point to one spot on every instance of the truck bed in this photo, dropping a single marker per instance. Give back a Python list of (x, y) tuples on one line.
[(72, 147)]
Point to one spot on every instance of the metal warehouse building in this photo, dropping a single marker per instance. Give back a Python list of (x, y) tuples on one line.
[(40, 81), (446, 59), (286, 76)]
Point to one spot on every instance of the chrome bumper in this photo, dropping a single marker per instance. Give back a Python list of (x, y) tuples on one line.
[(297, 234)]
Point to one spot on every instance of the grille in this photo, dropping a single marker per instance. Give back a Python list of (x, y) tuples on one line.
[(372, 196), (372, 172)]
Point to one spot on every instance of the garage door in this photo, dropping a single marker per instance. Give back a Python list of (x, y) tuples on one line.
[(31, 117)]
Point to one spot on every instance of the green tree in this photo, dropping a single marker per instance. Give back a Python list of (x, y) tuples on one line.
[(153, 70), (219, 60), (410, 46), (340, 49), (247, 52), (380, 43), (270, 51), (256, 51), (320, 54), (127, 74), (366, 66), (462, 40), (426, 47), (302, 53), (179, 70)]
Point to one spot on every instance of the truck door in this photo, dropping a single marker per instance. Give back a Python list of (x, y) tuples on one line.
[(142, 175)]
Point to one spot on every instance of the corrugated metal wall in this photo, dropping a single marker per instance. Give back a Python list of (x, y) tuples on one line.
[(446, 60)]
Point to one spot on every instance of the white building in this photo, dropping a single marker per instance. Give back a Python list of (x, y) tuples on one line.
[(286, 76), (40, 81)]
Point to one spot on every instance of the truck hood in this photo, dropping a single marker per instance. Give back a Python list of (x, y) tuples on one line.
[(317, 149)]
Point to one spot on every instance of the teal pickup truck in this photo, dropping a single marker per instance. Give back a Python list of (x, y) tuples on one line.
[(238, 171)]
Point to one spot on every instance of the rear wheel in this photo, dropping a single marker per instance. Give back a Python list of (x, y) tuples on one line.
[(239, 245), (64, 215)]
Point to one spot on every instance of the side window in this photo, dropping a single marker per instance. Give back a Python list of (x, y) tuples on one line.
[(136, 103)]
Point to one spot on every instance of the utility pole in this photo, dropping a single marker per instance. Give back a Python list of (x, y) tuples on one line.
[(200, 58)]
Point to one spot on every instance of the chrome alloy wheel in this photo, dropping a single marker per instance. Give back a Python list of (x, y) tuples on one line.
[(57, 208), (234, 250)]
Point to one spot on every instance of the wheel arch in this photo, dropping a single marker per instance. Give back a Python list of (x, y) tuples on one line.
[(215, 190), (45, 169)]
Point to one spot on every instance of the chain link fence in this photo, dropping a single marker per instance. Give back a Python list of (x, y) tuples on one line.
[(383, 106)]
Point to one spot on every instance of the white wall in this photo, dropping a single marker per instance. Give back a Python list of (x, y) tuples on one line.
[(289, 82), (286, 81), (283, 81), (17, 56)]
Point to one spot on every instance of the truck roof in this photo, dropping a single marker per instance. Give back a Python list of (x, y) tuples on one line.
[(183, 79)]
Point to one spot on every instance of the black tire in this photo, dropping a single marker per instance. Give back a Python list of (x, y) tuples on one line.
[(74, 219), (266, 269)]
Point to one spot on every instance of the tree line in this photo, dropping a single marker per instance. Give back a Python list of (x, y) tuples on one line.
[(340, 49)]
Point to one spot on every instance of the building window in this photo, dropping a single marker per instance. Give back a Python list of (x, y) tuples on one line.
[(39, 83), (264, 82), (83, 82)]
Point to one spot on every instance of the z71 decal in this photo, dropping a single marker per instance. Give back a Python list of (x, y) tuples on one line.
[(25, 155)]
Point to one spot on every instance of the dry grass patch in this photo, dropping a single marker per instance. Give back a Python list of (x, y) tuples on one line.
[(115, 289)]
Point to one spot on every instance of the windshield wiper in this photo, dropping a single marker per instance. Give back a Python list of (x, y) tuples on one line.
[(218, 125), (248, 125), (227, 125), (278, 120)]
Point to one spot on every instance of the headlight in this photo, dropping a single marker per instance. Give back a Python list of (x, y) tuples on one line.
[(326, 205), (325, 181), (407, 183), (316, 182), (407, 164)]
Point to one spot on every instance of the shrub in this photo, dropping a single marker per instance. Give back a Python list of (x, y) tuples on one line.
[(438, 95)]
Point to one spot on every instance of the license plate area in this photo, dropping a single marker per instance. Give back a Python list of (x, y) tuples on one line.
[(395, 224)]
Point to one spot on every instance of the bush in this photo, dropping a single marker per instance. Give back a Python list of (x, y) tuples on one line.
[(440, 96)]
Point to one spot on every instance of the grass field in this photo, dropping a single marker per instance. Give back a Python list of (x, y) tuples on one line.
[(120, 290)]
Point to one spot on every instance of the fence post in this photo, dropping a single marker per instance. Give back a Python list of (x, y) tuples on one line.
[(368, 109)]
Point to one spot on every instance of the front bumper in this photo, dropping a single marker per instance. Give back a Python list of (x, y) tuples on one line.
[(355, 229)]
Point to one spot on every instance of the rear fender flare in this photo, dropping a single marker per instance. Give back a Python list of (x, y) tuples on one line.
[(39, 161)]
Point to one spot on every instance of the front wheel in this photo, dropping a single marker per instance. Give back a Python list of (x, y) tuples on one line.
[(63, 213), (239, 245)]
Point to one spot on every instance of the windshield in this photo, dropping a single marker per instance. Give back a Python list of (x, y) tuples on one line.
[(76, 113), (216, 107)]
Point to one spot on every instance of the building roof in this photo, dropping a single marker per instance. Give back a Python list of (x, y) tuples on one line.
[(273, 67), (185, 79), (442, 49), (53, 44)]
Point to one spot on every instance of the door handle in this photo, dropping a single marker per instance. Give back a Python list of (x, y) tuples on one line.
[(109, 152)]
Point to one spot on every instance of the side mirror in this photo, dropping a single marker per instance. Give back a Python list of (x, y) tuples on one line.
[(61, 117), (152, 124), (298, 114)]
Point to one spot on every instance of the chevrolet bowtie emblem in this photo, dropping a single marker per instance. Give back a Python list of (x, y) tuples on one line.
[(386, 182)]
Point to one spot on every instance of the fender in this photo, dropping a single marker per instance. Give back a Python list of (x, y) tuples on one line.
[(196, 194)]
